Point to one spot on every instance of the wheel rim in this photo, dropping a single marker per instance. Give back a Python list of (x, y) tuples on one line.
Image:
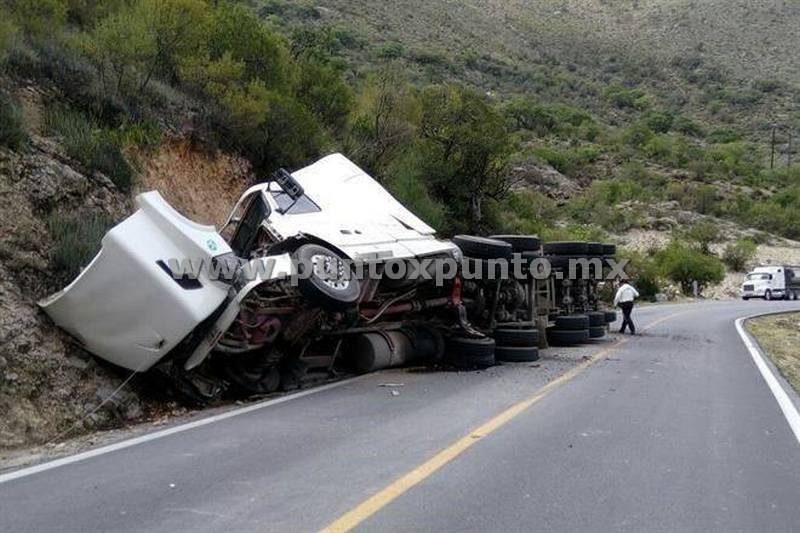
[(334, 276)]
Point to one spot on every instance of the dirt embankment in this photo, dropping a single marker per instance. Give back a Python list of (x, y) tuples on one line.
[(48, 385)]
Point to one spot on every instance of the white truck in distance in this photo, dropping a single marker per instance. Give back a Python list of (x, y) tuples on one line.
[(772, 283)]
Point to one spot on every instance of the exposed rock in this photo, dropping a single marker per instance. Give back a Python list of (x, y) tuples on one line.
[(544, 179)]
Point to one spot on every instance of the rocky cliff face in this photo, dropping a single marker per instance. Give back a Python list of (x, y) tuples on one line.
[(47, 384)]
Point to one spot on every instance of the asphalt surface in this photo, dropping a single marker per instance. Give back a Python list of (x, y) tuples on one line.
[(675, 430)]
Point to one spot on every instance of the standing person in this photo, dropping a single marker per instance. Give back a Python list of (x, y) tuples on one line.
[(624, 298)]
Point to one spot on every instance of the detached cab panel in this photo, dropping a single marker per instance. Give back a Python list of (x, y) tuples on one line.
[(127, 306)]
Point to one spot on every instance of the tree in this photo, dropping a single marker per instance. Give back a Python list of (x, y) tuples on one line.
[(684, 265), (122, 47), (703, 233), (323, 91), (383, 121), (738, 254), (37, 17), (263, 53), (465, 146)]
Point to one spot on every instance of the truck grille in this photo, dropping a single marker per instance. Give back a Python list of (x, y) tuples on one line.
[(748, 287)]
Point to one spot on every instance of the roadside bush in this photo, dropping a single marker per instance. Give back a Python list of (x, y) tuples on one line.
[(90, 145), (738, 254), (12, 131), (703, 234), (683, 264), (76, 240), (642, 271), (407, 185)]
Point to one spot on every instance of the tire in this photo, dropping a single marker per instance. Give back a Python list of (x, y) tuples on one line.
[(520, 243), (611, 316), (596, 332), (609, 249), (482, 248), (566, 248), (594, 248), (596, 319), (745, 298), (516, 337), (516, 354), (572, 322), (486, 270), (329, 293), (768, 295), (465, 352), (564, 337)]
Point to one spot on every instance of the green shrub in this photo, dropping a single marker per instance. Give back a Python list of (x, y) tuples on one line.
[(391, 51), (687, 126), (738, 254), (76, 240), (528, 212), (703, 234), (567, 160), (684, 265), (622, 98), (12, 131), (643, 273), (8, 32), (90, 145), (659, 121)]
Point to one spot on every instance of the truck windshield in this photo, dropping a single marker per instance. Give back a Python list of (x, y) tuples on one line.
[(758, 276)]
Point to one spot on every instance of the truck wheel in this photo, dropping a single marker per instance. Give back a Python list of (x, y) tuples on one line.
[(571, 322), (596, 319), (520, 243), (745, 298), (566, 248), (768, 295), (595, 332), (516, 337), (516, 354), (563, 337), (324, 278), (466, 352), (594, 249), (482, 248)]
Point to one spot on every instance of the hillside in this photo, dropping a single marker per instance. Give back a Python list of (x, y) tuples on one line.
[(647, 123)]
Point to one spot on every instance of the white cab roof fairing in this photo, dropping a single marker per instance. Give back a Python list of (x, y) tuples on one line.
[(356, 214), (125, 307), (338, 185)]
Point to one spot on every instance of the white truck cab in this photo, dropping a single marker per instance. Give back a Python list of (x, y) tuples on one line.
[(771, 283)]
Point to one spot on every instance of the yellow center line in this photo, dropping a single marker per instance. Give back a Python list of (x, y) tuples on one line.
[(385, 496)]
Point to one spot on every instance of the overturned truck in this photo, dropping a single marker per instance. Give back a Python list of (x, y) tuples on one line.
[(314, 272)]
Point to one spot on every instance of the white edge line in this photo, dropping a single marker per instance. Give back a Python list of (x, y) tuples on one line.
[(121, 445), (787, 406)]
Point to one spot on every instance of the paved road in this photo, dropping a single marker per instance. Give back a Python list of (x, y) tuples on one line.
[(675, 430)]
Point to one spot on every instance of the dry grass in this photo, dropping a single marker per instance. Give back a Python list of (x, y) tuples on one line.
[(779, 337)]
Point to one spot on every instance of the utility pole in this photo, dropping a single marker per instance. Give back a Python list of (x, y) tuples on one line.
[(772, 152)]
